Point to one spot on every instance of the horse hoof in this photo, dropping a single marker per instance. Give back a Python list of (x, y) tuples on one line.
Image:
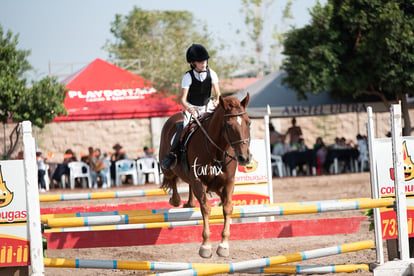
[(205, 251), (173, 203), (188, 205), (223, 250)]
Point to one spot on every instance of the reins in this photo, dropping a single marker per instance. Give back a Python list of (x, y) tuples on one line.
[(227, 135)]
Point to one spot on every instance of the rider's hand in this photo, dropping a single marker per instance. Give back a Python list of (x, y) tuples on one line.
[(192, 111), (216, 102)]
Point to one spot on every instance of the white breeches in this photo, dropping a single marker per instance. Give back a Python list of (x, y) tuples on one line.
[(209, 107)]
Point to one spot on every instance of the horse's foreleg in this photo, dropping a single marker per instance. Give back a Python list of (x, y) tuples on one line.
[(223, 249), (191, 201), (175, 199), (200, 193)]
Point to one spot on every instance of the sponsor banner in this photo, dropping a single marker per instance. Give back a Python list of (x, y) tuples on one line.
[(256, 171), (389, 223), (14, 240), (251, 180), (385, 180), (385, 170), (112, 95)]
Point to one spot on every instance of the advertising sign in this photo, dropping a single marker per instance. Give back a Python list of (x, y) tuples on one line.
[(385, 180), (252, 180), (14, 240)]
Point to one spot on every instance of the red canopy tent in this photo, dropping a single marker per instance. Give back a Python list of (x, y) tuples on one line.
[(103, 91)]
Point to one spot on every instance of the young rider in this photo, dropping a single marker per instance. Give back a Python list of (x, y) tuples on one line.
[(196, 85)]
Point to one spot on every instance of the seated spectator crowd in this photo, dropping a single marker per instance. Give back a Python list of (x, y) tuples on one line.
[(340, 157), (100, 165)]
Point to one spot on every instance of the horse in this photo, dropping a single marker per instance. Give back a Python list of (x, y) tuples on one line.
[(208, 163)]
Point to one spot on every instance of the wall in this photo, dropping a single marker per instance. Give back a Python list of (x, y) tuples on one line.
[(134, 134)]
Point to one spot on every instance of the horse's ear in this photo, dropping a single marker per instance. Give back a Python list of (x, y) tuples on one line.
[(245, 101), (222, 103)]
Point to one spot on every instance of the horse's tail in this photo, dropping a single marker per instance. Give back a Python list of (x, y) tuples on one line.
[(167, 133)]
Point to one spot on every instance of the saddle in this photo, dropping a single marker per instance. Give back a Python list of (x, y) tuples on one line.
[(191, 127), (186, 134)]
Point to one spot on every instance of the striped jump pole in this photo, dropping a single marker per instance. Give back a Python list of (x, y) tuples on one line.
[(276, 260), (132, 226), (311, 269), (45, 217), (171, 266), (107, 195), (216, 212)]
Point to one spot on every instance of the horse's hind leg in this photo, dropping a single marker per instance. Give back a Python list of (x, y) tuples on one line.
[(223, 249), (191, 200), (200, 193), (175, 199)]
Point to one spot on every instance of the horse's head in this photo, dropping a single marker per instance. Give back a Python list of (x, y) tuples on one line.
[(237, 127)]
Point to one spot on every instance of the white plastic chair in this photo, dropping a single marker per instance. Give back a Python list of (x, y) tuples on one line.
[(81, 170), (125, 167), (278, 163), (148, 165), (363, 161)]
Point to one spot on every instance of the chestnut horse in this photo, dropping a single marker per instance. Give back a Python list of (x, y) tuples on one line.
[(209, 162)]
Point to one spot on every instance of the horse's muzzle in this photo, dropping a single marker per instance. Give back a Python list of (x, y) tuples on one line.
[(243, 159)]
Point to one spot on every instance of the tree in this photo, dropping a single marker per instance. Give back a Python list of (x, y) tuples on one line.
[(40, 103), (355, 48), (263, 37), (159, 39)]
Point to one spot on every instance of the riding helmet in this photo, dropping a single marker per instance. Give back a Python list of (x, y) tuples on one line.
[(197, 52)]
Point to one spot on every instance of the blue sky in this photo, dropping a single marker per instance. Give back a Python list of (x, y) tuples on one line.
[(74, 31)]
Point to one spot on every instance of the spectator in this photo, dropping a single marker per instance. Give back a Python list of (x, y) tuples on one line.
[(282, 147), (274, 136), (321, 152), (117, 155), (362, 147), (294, 133), (302, 146), (41, 171), (62, 169), (98, 169), (148, 153), (69, 156)]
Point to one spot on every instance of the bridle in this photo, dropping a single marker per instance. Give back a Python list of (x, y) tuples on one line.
[(242, 141), (226, 154)]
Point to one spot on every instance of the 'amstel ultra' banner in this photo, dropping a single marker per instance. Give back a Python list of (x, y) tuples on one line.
[(14, 241)]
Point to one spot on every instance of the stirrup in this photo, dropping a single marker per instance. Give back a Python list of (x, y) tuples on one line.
[(169, 162)]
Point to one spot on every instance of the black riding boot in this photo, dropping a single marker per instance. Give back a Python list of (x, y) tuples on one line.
[(170, 161)]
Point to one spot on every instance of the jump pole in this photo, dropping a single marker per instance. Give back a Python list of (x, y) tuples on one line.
[(172, 266), (107, 195), (374, 188), (132, 226), (399, 182), (216, 213), (276, 260)]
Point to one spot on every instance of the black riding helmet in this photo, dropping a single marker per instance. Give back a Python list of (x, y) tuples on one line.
[(197, 52)]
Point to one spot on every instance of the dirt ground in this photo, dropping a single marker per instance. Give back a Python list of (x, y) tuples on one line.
[(289, 189)]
